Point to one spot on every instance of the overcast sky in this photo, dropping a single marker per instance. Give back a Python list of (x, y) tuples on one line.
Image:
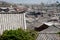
[(31, 1)]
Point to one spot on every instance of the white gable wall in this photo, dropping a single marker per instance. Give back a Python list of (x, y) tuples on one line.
[(11, 21)]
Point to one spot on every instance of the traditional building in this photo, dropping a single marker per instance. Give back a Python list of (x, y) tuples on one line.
[(12, 21)]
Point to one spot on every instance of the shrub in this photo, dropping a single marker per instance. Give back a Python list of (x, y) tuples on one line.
[(18, 34)]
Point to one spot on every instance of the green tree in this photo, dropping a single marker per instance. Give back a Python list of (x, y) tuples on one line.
[(18, 34)]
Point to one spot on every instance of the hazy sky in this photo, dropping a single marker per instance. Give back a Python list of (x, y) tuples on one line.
[(31, 1)]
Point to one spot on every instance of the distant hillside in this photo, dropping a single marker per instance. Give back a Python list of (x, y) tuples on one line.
[(5, 4)]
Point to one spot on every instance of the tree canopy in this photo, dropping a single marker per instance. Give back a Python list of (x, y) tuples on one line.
[(18, 35)]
